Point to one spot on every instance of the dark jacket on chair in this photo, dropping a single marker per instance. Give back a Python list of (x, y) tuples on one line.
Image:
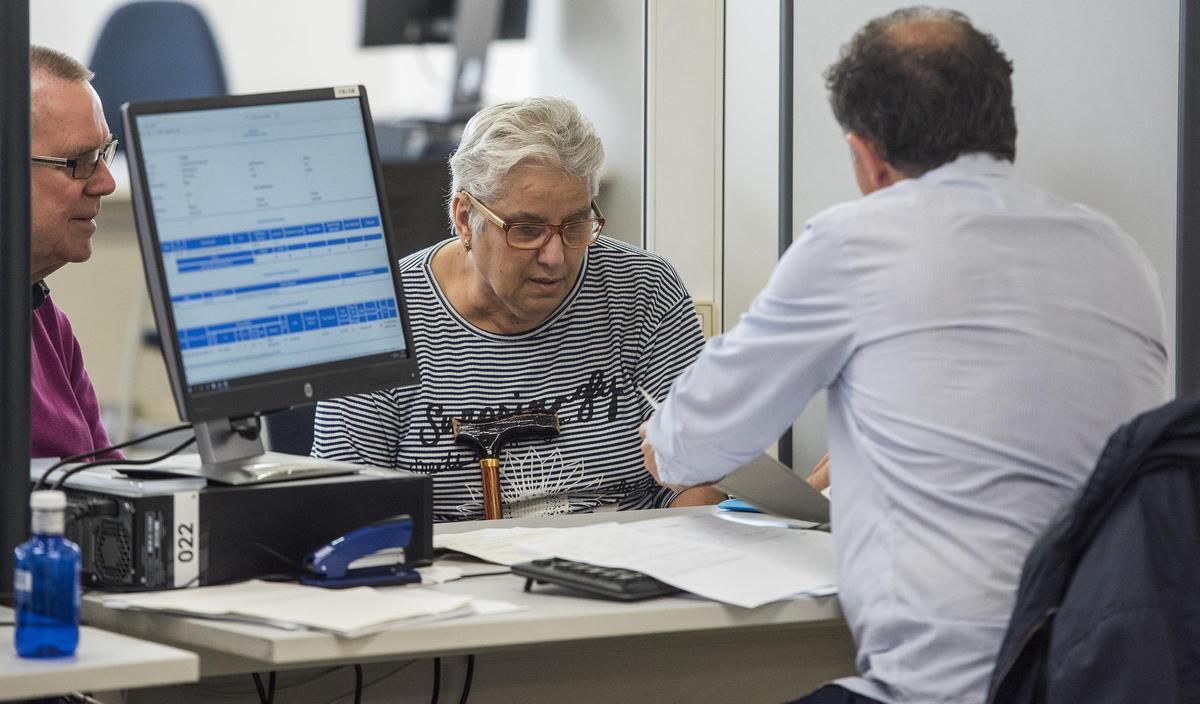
[(1109, 604)]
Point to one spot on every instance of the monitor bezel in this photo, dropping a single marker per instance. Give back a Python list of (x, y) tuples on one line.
[(271, 391)]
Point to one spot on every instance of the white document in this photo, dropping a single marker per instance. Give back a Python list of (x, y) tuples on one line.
[(466, 565), (439, 574), (345, 612), (735, 563), (208, 601), (773, 487), (360, 610), (492, 607), (504, 546)]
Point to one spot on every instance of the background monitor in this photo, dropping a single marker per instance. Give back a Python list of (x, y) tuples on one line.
[(469, 26), (264, 235), (387, 22)]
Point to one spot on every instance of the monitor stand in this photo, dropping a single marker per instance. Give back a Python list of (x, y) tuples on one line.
[(476, 24), (232, 452)]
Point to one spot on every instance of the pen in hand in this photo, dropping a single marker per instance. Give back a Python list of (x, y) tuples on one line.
[(649, 399)]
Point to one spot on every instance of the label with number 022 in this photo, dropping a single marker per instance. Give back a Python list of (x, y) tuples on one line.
[(186, 539)]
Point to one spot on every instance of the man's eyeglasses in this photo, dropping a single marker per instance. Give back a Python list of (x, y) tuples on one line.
[(576, 234), (83, 166)]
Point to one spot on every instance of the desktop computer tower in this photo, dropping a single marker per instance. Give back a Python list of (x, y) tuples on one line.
[(145, 538)]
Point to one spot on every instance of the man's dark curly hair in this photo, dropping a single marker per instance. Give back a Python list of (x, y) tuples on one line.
[(924, 86)]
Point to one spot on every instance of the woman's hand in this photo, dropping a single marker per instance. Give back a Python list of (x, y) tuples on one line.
[(702, 495), (819, 477)]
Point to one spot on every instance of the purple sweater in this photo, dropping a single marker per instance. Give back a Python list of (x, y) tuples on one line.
[(64, 412)]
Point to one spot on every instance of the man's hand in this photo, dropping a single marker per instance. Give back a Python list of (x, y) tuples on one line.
[(698, 495), (648, 454), (651, 465)]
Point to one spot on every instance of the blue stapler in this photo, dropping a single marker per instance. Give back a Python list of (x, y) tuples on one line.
[(369, 556)]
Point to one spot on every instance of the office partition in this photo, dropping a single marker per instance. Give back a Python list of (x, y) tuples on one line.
[(787, 65), (14, 283), (1187, 231)]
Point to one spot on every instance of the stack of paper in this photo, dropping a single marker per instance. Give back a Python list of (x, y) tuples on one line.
[(344, 612), (725, 560), (503, 546)]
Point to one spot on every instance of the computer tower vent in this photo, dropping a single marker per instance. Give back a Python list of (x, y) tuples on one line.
[(112, 557)]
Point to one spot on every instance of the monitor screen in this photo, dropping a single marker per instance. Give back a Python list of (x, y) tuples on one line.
[(267, 252)]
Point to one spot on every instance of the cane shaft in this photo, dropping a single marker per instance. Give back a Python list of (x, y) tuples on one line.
[(489, 468)]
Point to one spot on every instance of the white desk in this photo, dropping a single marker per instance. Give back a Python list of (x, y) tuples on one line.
[(674, 648), (103, 661)]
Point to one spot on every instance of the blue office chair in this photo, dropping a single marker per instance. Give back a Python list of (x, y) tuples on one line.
[(150, 51), (154, 51)]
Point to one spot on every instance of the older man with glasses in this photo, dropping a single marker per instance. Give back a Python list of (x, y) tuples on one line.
[(72, 149), (528, 308)]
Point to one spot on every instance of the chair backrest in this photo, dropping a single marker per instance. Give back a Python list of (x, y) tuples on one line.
[(1108, 608), (154, 50), (291, 431)]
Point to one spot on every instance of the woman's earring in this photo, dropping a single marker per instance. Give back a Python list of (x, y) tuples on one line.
[(467, 244)]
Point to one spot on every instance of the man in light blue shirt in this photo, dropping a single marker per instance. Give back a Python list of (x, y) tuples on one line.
[(979, 337)]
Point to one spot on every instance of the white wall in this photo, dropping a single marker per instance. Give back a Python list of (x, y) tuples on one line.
[(684, 132), (592, 53), (271, 45), (751, 221)]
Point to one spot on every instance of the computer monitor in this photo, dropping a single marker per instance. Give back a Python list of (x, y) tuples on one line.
[(387, 22), (264, 237)]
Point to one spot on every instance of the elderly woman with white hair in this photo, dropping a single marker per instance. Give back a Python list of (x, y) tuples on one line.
[(528, 308)]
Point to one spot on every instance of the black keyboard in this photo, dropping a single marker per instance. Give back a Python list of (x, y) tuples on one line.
[(607, 582)]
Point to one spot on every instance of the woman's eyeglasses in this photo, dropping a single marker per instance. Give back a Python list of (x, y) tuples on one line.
[(576, 234)]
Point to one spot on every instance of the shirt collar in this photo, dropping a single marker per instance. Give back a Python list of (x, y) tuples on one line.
[(972, 164), (38, 295)]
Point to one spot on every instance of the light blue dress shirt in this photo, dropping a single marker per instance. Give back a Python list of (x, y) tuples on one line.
[(980, 338)]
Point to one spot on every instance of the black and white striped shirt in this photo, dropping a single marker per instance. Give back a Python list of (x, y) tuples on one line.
[(628, 322)]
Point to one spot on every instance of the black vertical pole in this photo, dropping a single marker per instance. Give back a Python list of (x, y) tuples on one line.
[(14, 282), (787, 38), (1187, 225), (645, 118)]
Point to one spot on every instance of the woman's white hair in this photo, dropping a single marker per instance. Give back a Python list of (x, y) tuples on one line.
[(545, 130)]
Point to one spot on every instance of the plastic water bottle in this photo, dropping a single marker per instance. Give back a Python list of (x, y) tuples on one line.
[(47, 583)]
